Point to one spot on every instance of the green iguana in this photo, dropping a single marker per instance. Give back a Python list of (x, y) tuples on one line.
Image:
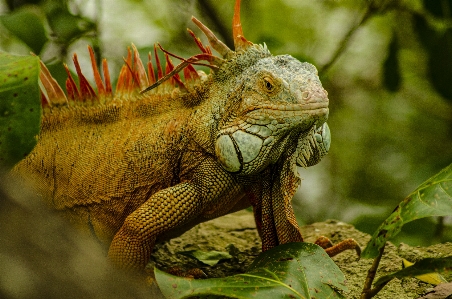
[(137, 168)]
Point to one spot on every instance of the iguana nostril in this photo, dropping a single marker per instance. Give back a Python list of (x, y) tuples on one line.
[(316, 95)]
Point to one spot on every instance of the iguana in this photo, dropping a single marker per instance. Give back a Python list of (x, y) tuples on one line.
[(137, 167)]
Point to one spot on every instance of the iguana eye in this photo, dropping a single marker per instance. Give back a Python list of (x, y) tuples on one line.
[(269, 86)]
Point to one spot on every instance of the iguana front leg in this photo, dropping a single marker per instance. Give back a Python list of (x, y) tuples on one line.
[(168, 209), (271, 200)]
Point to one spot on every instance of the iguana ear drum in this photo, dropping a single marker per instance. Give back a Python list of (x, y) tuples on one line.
[(226, 152), (236, 149)]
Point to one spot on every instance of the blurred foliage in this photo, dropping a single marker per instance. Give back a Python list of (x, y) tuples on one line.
[(35, 22), (432, 198), (33, 35), (385, 63), (43, 252), (391, 69), (47, 28)]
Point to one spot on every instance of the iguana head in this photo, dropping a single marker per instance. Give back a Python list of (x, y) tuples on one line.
[(263, 104), (273, 102)]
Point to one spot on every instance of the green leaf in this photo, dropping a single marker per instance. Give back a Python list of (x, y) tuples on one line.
[(431, 278), (210, 258), (432, 198), (27, 24), (67, 26), (20, 107), (294, 270), (425, 266)]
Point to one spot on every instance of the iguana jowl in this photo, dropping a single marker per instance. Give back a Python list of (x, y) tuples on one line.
[(137, 168)]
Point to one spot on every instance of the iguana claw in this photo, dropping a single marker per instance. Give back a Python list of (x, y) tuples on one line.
[(333, 250)]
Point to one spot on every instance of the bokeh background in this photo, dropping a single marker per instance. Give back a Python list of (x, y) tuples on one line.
[(387, 66)]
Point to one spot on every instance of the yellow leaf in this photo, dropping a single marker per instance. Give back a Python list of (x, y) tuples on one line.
[(431, 278)]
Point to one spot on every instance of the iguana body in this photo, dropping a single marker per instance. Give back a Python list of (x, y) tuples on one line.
[(138, 168)]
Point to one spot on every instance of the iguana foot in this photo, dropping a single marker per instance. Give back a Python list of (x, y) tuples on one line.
[(333, 250)]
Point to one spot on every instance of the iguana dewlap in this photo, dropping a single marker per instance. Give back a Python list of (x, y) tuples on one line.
[(136, 168)]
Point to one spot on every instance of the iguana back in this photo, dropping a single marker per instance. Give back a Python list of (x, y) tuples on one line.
[(103, 160)]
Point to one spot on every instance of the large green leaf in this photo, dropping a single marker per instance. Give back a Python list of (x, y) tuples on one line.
[(425, 266), (432, 198), (20, 107), (295, 270), (27, 24)]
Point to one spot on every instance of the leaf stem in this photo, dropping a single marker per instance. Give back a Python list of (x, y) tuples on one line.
[(344, 43), (377, 289), (368, 292)]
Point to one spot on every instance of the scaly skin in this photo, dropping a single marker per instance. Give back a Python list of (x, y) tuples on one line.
[(136, 169)]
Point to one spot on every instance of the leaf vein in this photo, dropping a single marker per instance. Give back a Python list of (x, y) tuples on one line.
[(275, 281), (421, 200), (444, 190), (429, 185)]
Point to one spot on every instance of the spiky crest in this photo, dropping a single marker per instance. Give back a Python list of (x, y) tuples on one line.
[(133, 76), (97, 78), (217, 44), (53, 90), (240, 42)]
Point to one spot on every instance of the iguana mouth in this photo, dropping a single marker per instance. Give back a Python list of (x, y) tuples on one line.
[(283, 108), (275, 117), (311, 109), (283, 113)]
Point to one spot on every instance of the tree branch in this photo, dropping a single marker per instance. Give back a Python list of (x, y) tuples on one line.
[(345, 41), (212, 14)]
